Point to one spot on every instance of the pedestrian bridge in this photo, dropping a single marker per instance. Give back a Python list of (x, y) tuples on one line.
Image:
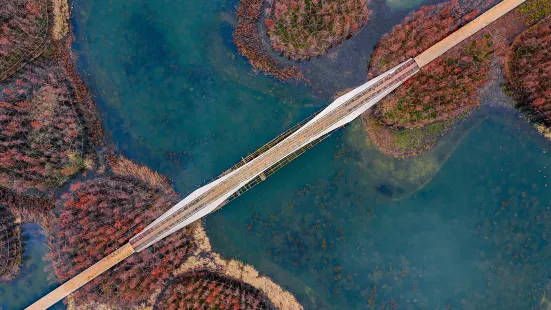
[(257, 166)]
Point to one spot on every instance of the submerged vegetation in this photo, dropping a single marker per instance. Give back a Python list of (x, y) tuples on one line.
[(528, 70), (301, 29)]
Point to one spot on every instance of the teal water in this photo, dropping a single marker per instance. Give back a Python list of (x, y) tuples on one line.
[(343, 226), (475, 237), (32, 283)]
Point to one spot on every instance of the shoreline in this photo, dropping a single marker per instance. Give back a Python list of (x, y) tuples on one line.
[(62, 37)]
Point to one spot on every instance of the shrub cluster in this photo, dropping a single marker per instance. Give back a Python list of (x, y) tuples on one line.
[(10, 245), (446, 87), (208, 290), (246, 37), (98, 217), (41, 141), (23, 32), (301, 29), (529, 69)]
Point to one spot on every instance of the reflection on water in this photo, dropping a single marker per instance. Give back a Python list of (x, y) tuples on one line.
[(32, 283)]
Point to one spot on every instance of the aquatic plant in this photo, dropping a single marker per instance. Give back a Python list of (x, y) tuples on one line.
[(302, 29), (528, 69), (60, 25), (125, 167), (209, 290), (23, 33), (42, 139), (404, 142), (10, 245), (99, 216), (247, 39)]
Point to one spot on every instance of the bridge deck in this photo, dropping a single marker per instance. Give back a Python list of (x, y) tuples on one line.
[(275, 154), (266, 160)]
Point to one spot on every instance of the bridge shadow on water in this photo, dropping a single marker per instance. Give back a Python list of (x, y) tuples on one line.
[(342, 226), (474, 237)]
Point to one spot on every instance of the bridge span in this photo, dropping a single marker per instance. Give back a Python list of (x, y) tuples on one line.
[(258, 165)]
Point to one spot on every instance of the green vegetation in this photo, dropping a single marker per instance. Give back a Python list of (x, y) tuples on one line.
[(301, 29), (411, 119), (535, 10)]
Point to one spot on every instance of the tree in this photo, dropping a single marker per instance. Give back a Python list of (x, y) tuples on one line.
[(10, 245), (449, 85), (528, 70), (209, 290), (101, 215)]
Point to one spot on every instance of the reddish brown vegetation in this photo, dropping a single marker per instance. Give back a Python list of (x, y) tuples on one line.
[(421, 30), (87, 108), (443, 89), (99, 216), (10, 245), (125, 167), (249, 44), (41, 142), (208, 290), (301, 29), (27, 208), (23, 32), (529, 69)]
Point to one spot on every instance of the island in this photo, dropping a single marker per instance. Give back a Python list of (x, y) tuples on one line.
[(412, 120), (56, 170)]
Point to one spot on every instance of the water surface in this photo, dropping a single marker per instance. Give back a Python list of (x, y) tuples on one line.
[(343, 226), (32, 283)]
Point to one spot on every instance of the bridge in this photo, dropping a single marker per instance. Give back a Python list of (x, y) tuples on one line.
[(257, 166)]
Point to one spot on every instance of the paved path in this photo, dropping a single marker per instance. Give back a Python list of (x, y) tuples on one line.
[(342, 111)]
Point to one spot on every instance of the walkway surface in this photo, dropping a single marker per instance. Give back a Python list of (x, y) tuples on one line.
[(343, 110)]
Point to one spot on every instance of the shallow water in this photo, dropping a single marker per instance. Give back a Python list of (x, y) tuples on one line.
[(343, 226), (474, 237), (32, 282)]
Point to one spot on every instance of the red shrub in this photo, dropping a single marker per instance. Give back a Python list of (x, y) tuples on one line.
[(446, 87), (529, 67), (10, 245), (41, 141), (247, 39), (23, 32), (208, 290), (301, 29), (101, 215)]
